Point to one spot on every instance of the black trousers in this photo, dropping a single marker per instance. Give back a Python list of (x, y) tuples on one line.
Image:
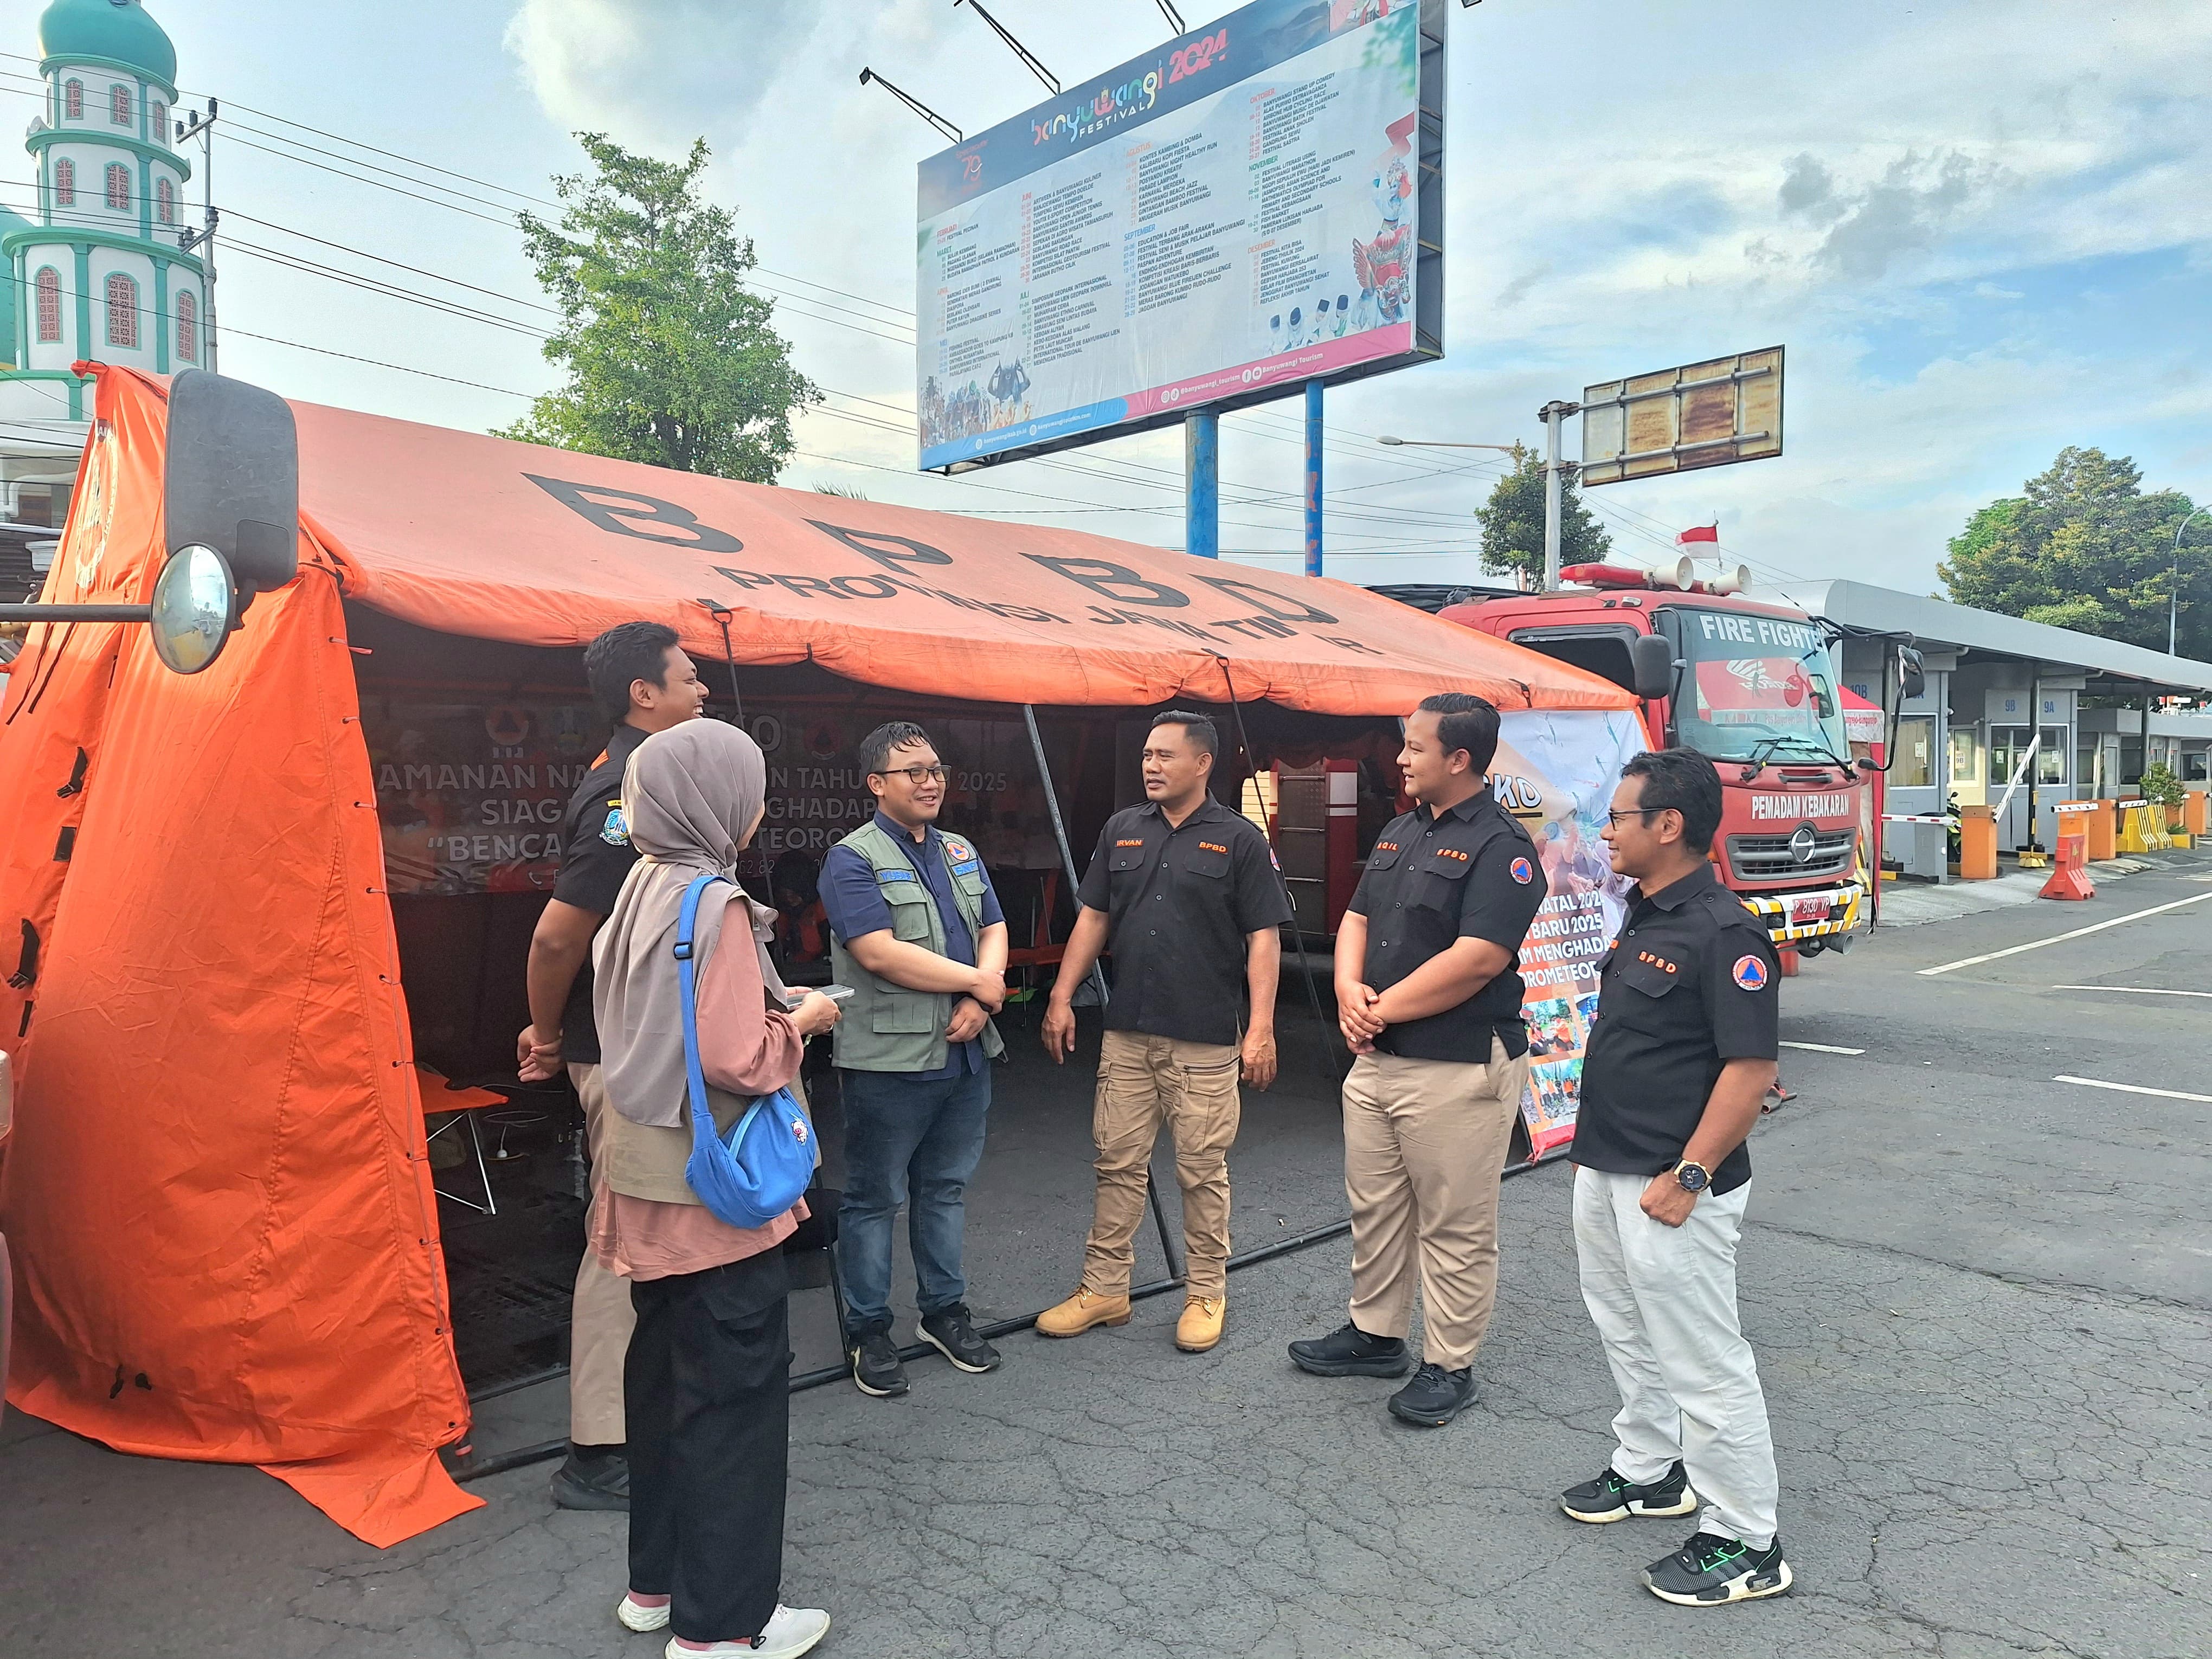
[(706, 1391)]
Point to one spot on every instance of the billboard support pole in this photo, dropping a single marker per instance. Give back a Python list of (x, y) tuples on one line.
[(1314, 431), (1201, 471), (1553, 415)]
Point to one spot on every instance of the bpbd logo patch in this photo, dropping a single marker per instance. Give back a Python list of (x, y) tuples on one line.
[(1749, 974), (1521, 870)]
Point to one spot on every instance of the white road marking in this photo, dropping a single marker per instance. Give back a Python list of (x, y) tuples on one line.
[(2060, 939), (2133, 1089), (1823, 1048), (2134, 990)]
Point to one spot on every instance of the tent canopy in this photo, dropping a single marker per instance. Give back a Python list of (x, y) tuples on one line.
[(228, 1240), (482, 537)]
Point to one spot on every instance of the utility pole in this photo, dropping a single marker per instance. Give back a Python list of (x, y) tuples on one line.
[(1553, 415), (203, 239)]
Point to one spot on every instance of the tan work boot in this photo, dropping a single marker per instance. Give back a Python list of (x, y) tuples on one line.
[(1080, 1312), (1199, 1327)]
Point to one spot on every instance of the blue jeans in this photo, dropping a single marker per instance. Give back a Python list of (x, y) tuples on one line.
[(907, 1139)]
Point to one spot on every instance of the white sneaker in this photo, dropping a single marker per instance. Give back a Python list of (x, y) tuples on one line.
[(634, 1617), (791, 1632)]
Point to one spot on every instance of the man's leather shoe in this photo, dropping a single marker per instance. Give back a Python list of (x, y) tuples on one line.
[(1199, 1327), (1080, 1312)]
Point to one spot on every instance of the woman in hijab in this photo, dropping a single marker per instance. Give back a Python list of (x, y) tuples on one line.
[(705, 1383)]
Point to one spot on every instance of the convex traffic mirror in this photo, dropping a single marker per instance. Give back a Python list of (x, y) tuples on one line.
[(195, 608)]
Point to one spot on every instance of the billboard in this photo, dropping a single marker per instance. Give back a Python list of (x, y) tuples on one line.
[(1708, 414), (1256, 205)]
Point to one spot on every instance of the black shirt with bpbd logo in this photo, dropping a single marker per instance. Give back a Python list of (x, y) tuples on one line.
[(596, 857), (1469, 872), (1688, 985), (1181, 902)]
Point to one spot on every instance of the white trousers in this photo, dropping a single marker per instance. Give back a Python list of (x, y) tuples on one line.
[(1663, 1299)]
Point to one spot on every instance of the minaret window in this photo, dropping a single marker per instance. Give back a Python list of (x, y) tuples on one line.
[(49, 284), (157, 121), (118, 105), (73, 100), (188, 327), (165, 198), (64, 183), (121, 311), (118, 186)]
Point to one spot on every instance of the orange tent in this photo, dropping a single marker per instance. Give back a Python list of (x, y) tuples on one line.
[(218, 1195)]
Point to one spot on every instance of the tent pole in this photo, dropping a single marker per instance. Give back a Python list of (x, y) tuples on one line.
[(1305, 961), (1097, 975), (730, 658)]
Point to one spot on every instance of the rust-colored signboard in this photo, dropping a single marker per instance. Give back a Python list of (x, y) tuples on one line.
[(1707, 413)]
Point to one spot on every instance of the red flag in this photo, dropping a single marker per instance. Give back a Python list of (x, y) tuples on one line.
[(1700, 532)]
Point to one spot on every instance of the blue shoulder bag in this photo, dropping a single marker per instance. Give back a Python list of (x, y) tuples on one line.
[(758, 1171)]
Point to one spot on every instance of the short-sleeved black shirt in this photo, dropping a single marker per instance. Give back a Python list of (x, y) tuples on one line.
[(1469, 872), (595, 857), (1179, 904), (1688, 985)]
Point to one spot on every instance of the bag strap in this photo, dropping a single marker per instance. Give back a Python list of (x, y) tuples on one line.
[(694, 1077)]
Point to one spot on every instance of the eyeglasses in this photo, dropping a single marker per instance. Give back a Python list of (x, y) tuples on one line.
[(1613, 818), (918, 776)]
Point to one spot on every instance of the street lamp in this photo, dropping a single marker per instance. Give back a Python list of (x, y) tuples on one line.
[(1553, 413), (2173, 592)]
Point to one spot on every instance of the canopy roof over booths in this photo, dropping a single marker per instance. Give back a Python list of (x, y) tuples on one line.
[(218, 1191), (479, 535)]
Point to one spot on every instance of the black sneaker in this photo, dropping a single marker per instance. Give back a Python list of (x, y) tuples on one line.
[(1435, 1396), (1710, 1572), (597, 1482), (1349, 1352), (1613, 1496), (876, 1368), (949, 1331)]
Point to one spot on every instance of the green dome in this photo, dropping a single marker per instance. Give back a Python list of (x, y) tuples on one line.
[(119, 30)]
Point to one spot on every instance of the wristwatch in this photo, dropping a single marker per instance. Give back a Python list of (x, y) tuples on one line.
[(1692, 1177)]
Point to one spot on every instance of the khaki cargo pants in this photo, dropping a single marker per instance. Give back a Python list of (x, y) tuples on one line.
[(1192, 1085), (1425, 1142), (600, 1314)]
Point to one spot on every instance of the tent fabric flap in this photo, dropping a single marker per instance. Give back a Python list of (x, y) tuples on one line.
[(217, 1196), (482, 537)]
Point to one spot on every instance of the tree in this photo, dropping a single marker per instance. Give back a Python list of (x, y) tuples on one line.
[(1513, 521), (2086, 548), (670, 358)]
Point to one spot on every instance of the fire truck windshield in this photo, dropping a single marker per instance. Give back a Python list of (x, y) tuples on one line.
[(1756, 688)]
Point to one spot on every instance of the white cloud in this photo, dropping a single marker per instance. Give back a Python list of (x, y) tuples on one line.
[(655, 72)]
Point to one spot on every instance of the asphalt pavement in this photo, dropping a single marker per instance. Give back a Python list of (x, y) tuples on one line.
[(1981, 1296)]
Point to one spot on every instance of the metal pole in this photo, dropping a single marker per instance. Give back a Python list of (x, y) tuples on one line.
[(1097, 975), (2173, 593), (1282, 884), (1201, 472), (1554, 414), (207, 238), (34, 612), (1313, 432)]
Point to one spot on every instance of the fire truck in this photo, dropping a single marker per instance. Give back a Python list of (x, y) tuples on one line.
[(1750, 683)]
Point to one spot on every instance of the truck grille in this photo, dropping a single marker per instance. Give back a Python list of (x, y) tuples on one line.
[(1771, 858)]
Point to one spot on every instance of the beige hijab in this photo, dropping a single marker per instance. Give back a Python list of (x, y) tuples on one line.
[(690, 793)]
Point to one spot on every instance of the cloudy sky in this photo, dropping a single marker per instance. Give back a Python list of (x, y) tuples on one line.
[(1983, 230)]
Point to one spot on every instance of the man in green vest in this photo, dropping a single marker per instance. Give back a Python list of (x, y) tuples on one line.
[(915, 930)]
